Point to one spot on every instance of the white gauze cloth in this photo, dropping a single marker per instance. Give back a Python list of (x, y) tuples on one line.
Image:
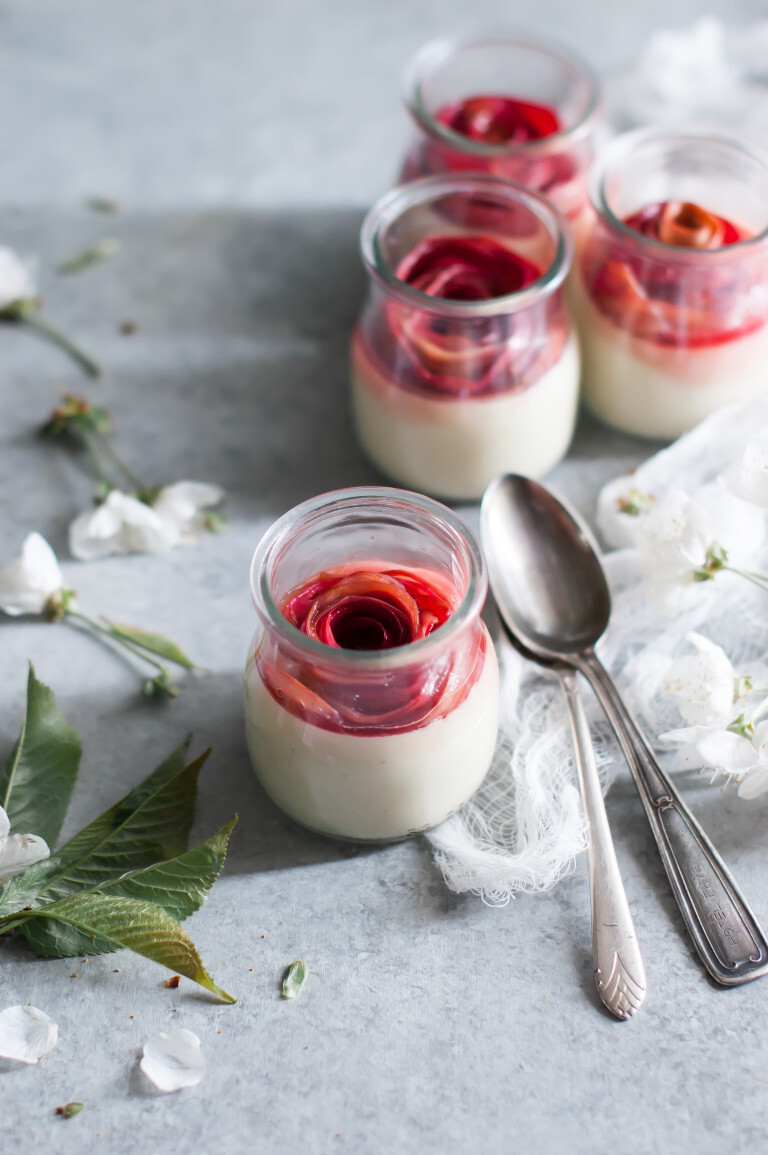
[(524, 827), (705, 75)]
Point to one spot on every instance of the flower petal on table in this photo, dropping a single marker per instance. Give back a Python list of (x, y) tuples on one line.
[(28, 581), (181, 507), (122, 524), (26, 1034), (173, 1060)]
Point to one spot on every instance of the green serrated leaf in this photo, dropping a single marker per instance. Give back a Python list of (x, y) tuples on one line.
[(138, 926), (153, 643), (37, 780), (181, 885), (294, 978), (150, 823)]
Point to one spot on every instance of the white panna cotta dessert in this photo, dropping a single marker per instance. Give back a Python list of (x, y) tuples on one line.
[(671, 289), (464, 363), (371, 687)]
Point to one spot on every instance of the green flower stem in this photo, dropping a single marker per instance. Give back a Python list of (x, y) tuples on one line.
[(90, 442), (758, 579), (115, 636), (106, 445), (46, 328)]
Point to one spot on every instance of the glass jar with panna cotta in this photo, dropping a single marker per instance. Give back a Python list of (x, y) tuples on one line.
[(514, 109), (464, 362), (371, 686), (670, 291)]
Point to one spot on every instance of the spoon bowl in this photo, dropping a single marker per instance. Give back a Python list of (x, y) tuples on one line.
[(544, 569)]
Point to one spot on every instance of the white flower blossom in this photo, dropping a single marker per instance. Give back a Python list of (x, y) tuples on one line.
[(173, 1060), (620, 507), (749, 480), (673, 540), (123, 524), (703, 683), (16, 280), (18, 851), (680, 538), (26, 1034), (29, 581), (736, 755)]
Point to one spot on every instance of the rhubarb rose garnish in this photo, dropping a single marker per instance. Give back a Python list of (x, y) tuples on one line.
[(371, 690), (447, 355), (370, 607), (500, 119)]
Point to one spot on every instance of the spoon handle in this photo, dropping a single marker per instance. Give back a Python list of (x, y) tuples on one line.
[(619, 970), (726, 934)]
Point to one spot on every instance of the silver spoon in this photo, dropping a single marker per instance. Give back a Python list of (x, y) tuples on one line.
[(549, 582), (617, 961)]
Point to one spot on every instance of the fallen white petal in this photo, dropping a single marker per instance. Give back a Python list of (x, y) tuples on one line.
[(122, 524), (16, 280), (173, 1060), (5, 824), (18, 851), (26, 1034), (181, 507), (28, 581)]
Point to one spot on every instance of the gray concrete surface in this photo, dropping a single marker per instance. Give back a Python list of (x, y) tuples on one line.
[(245, 140)]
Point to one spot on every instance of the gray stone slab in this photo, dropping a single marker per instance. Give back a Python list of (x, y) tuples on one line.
[(245, 139)]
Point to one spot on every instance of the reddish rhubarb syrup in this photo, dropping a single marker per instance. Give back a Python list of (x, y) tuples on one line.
[(455, 357), (667, 301), (365, 606)]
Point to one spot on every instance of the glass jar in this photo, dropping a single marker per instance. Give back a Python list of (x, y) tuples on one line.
[(371, 713), (464, 363), (518, 110), (670, 291)]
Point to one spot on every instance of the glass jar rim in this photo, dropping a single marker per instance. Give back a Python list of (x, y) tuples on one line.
[(393, 204), (436, 51), (358, 497), (623, 146)]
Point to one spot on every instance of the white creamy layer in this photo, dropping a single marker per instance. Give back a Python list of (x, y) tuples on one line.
[(652, 390), (455, 447), (378, 787)]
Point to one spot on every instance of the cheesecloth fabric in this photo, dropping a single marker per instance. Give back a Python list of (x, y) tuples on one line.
[(524, 828)]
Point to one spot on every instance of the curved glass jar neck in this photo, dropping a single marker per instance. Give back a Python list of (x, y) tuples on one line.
[(718, 173), (390, 527), (446, 72), (471, 207)]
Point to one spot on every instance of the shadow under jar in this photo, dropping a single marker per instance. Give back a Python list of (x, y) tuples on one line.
[(371, 686), (670, 291), (514, 109), (464, 362)]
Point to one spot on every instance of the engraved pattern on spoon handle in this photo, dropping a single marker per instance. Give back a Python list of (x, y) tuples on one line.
[(725, 932), (618, 963)]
